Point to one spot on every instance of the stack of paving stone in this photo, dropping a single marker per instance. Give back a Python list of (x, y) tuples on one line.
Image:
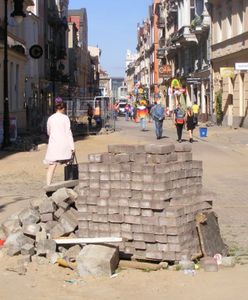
[(147, 194)]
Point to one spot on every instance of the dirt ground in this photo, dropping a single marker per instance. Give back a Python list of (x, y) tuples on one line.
[(224, 156)]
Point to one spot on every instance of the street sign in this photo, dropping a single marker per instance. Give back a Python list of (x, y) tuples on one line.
[(227, 72), (36, 51), (241, 66)]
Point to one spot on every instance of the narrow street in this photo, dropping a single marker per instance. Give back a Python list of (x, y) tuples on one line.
[(224, 155), (223, 152)]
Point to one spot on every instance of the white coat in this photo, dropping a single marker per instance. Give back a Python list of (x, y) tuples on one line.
[(60, 144)]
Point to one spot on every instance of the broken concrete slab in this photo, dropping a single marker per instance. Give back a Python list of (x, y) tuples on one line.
[(97, 260), (63, 184)]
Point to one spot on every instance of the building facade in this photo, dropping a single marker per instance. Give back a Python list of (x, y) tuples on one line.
[(17, 52), (229, 59)]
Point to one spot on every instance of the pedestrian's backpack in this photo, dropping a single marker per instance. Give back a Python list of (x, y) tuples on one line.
[(179, 116), (159, 112)]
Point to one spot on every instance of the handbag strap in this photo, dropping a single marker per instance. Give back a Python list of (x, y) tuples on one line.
[(74, 158)]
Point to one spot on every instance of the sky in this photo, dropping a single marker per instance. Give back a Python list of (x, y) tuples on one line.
[(112, 26)]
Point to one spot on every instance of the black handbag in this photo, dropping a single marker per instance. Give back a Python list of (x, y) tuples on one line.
[(71, 169)]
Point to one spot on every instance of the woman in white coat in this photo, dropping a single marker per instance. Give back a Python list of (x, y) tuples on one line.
[(60, 144)]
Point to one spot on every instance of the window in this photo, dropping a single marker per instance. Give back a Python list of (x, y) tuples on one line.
[(199, 6), (192, 10)]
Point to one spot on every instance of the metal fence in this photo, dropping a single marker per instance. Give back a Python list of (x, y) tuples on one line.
[(77, 112)]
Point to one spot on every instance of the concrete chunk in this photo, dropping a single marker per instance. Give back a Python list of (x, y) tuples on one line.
[(97, 260), (57, 231)]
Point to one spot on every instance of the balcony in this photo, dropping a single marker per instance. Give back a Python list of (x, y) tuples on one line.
[(162, 42), (185, 36), (200, 24)]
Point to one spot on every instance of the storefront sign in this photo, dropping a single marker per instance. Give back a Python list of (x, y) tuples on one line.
[(227, 72), (241, 66), (165, 71)]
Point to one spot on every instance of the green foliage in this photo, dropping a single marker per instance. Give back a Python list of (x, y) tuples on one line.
[(218, 107)]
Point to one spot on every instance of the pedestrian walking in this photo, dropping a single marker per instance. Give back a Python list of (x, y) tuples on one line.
[(127, 111), (195, 109), (190, 123), (142, 113), (179, 120), (97, 115), (158, 115), (90, 114), (60, 144)]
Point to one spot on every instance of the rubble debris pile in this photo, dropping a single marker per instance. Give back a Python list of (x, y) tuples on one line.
[(147, 194), (31, 231)]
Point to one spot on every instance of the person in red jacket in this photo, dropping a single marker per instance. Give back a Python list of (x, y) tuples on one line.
[(142, 114)]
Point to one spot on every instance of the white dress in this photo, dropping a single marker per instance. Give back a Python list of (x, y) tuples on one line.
[(60, 144)]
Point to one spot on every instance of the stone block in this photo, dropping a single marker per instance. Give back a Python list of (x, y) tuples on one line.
[(97, 260), (95, 158), (104, 168), (116, 218), (57, 231), (161, 238), (46, 217), (100, 218), (105, 176), (31, 229), (94, 184), (159, 149), (183, 147), (146, 212), (58, 213), (184, 156), (28, 249), (162, 168), (136, 168), (148, 168), (41, 235), (47, 206), (45, 246), (83, 167), (122, 158), (69, 222), (115, 168), (11, 225), (137, 185), (94, 167), (73, 252), (60, 195), (29, 216)]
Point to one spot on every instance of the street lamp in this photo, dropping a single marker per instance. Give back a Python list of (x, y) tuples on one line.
[(18, 14)]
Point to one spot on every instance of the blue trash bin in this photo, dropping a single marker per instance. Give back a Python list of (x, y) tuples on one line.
[(203, 132)]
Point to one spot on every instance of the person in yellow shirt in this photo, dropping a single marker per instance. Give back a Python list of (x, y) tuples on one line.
[(195, 110)]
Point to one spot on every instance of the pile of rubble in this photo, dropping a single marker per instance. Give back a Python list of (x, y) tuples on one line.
[(146, 194), (31, 231)]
